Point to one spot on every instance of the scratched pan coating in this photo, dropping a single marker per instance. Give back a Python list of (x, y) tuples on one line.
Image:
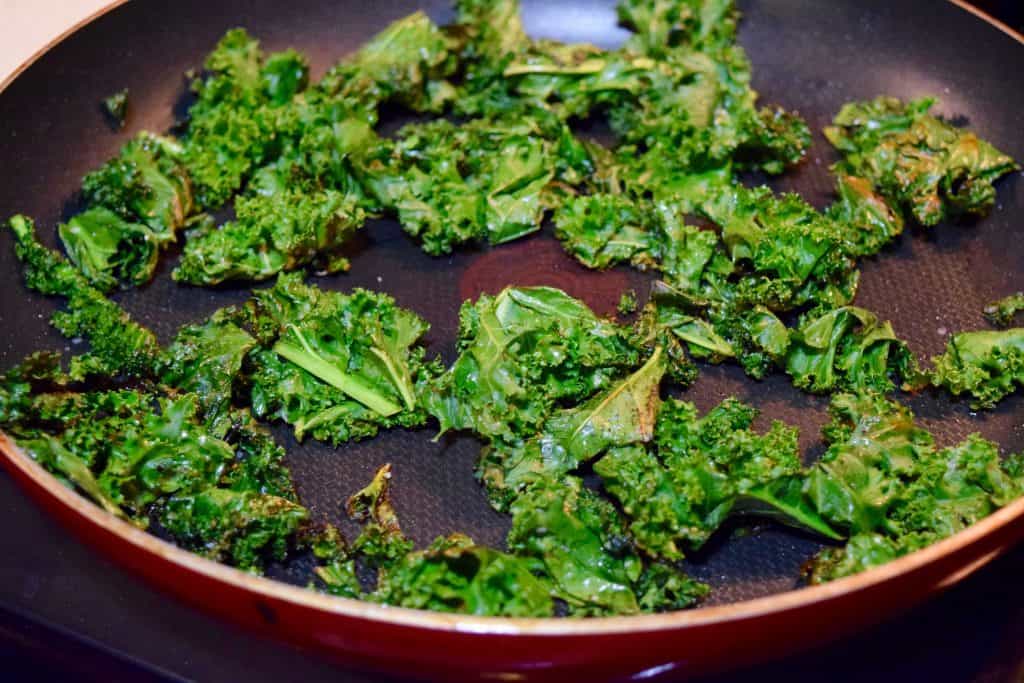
[(807, 55)]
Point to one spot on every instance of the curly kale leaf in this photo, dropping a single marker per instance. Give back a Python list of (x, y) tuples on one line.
[(661, 24), (206, 359), (273, 232), (146, 183), (1001, 313), (581, 543), (603, 230), (920, 163), (381, 543), (240, 113), (624, 414), (850, 349), (939, 494), (705, 469), (240, 527), (456, 575), (148, 457), (875, 447), (484, 180), (986, 364), (109, 250), (160, 454), (341, 366), (521, 352), (869, 222), (786, 253), (20, 382), (406, 63), (116, 107), (68, 467), (118, 345)]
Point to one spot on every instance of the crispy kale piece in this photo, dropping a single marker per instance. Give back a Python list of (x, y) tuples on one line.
[(381, 543), (109, 250), (240, 527), (408, 63), (520, 354), (206, 359), (583, 546), (922, 164), (339, 366), (704, 469), (149, 458), (273, 232), (138, 201), (868, 221), (663, 24), (883, 482), (118, 345), (240, 113), (850, 349), (456, 575), (146, 183), (116, 107), (486, 180), (986, 364), (1001, 313), (624, 414), (788, 254)]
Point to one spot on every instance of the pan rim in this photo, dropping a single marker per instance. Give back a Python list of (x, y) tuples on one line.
[(544, 626), (789, 600)]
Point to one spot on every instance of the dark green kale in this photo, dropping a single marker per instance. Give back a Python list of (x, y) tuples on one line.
[(240, 114), (848, 348), (484, 180), (118, 345), (624, 414), (663, 24), (109, 250), (922, 164), (705, 469), (583, 546), (602, 230), (336, 366), (1001, 313), (521, 353), (627, 303), (456, 575), (336, 567), (786, 254), (986, 364), (146, 183), (239, 527), (868, 222), (148, 457), (116, 107), (273, 232), (406, 63), (884, 483), (381, 544), (206, 359), (138, 201)]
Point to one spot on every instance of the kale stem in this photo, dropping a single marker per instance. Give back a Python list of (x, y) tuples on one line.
[(322, 369)]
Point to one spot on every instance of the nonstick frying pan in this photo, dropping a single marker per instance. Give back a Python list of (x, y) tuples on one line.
[(807, 55)]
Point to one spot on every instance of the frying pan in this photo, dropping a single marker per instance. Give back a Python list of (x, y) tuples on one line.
[(807, 55)]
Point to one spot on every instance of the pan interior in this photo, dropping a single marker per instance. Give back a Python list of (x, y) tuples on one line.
[(807, 56)]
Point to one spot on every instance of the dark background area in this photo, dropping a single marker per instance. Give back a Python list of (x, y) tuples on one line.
[(975, 632), (1010, 12)]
